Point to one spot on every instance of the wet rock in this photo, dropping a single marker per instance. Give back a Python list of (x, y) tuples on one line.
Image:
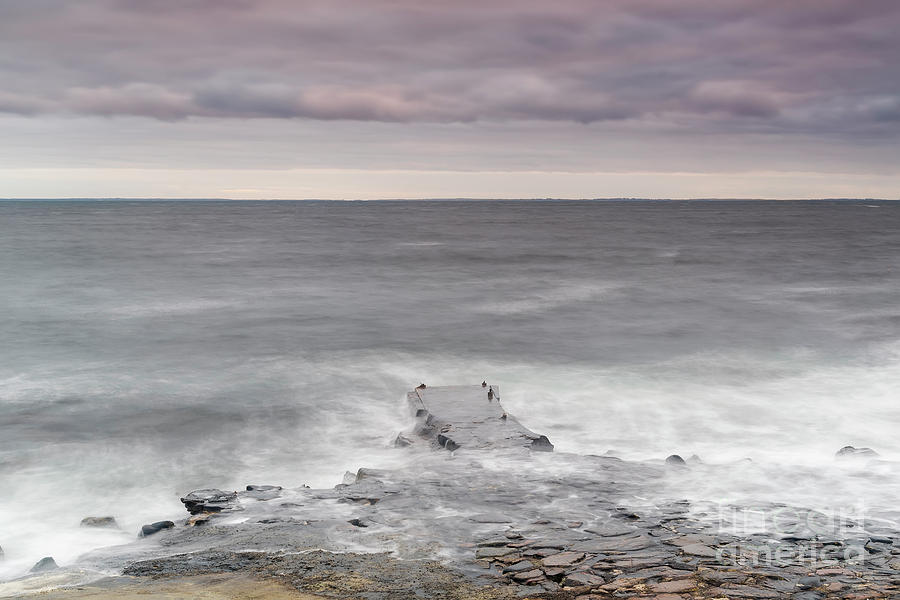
[(742, 591), (699, 550), (541, 443), (675, 460), (209, 500), (582, 579), (358, 523), (807, 583), (494, 552), (531, 575), (263, 492), (264, 488), (45, 564), (563, 559), (401, 441), (611, 529), (522, 565), (850, 451), (156, 527), (673, 587), (201, 519), (100, 522)]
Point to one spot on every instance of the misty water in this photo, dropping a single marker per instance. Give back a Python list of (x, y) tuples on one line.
[(150, 348)]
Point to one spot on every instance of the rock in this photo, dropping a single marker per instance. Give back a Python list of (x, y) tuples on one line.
[(263, 492), (742, 591), (196, 520), (581, 579), (209, 500), (522, 565), (100, 522), (358, 523), (45, 564), (541, 443), (563, 559), (528, 575), (401, 441), (673, 587), (493, 552), (894, 564), (850, 451), (263, 488), (675, 460), (808, 583), (155, 528), (699, 550)]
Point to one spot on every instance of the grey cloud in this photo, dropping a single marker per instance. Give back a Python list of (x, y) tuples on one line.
[(704, 63)]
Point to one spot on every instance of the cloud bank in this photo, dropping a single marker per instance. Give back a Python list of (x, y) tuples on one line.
[(741, 66)]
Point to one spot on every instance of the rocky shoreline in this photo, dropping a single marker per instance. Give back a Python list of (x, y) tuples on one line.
[(484, 509)]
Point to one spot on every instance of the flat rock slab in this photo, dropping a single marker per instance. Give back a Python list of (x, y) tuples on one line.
[(463, 417), (563, 559)]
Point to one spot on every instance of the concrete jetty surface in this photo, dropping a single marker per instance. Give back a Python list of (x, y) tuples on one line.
[(497, 517), (470, 416)]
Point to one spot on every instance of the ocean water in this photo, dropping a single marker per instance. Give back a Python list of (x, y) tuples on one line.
[(149, 348)]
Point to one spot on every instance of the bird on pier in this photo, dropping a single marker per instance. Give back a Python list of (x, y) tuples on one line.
[(484, 384), (490, 394), (421, 386)]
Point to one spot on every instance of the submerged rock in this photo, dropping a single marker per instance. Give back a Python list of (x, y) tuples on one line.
[(100, 522), (156, 527), (675, 460), (45, 564), (850, 451), (209, 500), (263, 492)]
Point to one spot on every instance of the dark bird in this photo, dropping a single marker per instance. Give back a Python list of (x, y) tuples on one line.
[(421, 386), (490, 394), (484, 384)]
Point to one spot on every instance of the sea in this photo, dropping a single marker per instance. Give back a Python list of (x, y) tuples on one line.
[(148, 348)]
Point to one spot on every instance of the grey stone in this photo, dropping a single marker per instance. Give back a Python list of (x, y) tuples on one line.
[(807, 583), (156, 528), (563, 559), (522, 565), (45, 564), (494, 552), (675, 460), (582, 578), (699, 550), (851, 452), (209, 500), (100, 522)]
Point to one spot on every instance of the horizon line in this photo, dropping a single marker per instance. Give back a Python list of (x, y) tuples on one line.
[(443, 199)]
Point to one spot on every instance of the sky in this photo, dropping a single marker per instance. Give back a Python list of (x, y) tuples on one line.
[(417, 98)]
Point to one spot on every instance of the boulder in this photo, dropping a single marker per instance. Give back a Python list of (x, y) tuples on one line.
[(100, 522), (675, 460), (45, 564), (209, 500), (155, 528)]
